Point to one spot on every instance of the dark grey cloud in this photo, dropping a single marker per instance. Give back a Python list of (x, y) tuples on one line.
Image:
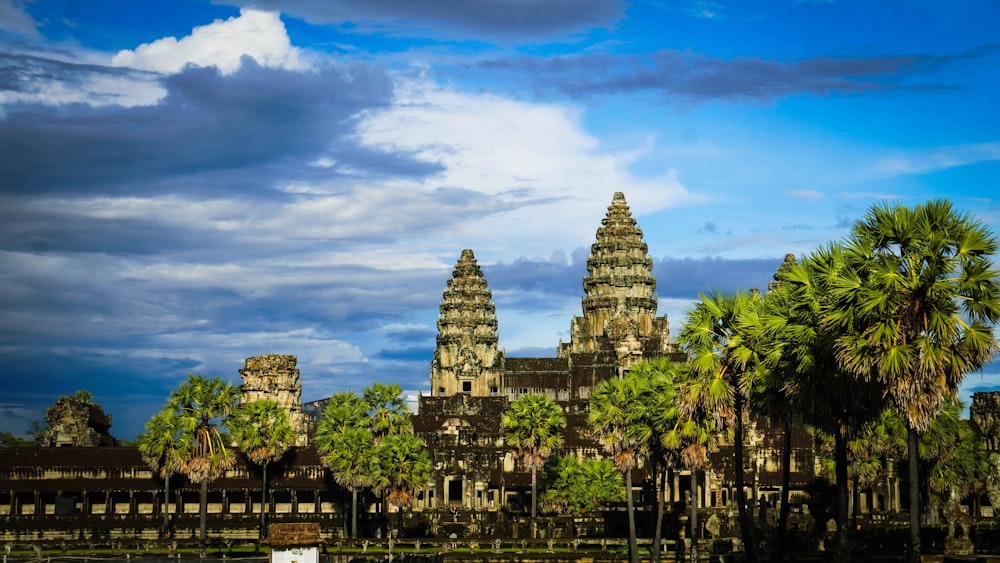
[(211, 133), (673, 75), (503, 20)]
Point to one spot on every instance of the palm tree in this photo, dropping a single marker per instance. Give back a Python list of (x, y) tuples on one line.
[(533, 426), (916, 308), (203, 407), (803, 358), (161, 448), (400, 465), (716, 343), (619, 422), (387, 410), (262, 430), (346, 444), (350, 456), (692, 436), (661, 407)]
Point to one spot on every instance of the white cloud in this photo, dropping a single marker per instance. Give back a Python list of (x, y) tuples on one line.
[(812, 195), (222, 44), (526, 151), (942, 158)]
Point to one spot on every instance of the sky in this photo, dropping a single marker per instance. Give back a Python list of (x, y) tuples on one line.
[(185, 184)]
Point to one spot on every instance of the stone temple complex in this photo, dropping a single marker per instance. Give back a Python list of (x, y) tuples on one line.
[(93, 494)]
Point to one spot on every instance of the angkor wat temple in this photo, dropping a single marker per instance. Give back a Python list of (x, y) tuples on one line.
[(78, 494)]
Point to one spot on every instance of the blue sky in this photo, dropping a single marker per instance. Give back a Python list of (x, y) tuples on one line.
[(186, 184)]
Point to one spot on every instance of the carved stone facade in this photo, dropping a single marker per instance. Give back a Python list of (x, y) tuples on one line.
[(984, 414), (466, 359), (73, 422), (275, 377)]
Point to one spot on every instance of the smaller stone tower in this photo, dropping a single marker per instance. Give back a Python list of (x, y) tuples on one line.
[(275, 377), (466, 359)]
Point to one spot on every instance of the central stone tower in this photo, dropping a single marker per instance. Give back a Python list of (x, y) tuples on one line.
[(619, 303)]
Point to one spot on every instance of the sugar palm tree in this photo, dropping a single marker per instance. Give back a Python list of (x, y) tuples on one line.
[(400, 465), (345, 442), (387, 410), (161, 447), (203, 407), (690, 432), (916, 306), (262, 430), (618, 419), (716, 344), (828, 398), (661, 407), (349, 454), (533, 425)]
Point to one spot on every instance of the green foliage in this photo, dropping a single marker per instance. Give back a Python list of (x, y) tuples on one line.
[(203, 408), (262, 430), (364, 439), (916, 304), (84, 396), (163, 445), (386, 409), (399, 465), (533, 426), (619, 419), (8, 440), (569, 486)]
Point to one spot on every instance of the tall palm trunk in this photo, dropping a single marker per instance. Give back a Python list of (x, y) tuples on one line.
[(203, 518), (786, 465), (913, 455), (534, 501), (841, 546), (695, 529), (633, 543), (264, 505), (354, 512), (657, 534), (855, 495), (166, 504), (746, 528)]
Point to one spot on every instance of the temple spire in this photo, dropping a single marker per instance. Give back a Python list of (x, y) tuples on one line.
[(619, 303), (466, 359)]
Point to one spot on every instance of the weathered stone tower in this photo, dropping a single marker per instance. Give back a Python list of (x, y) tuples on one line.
[(275, 377), (619, 304), (466, 359), (75, 422)]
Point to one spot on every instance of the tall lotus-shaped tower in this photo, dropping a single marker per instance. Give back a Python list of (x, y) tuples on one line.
[(619, 303)]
